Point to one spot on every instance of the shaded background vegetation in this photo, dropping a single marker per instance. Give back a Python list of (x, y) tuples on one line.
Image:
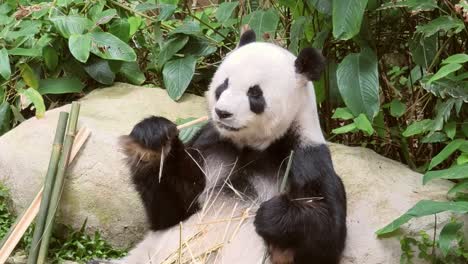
[(396, 79)]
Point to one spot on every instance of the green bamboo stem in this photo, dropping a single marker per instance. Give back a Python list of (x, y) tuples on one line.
[(59, 180), (48, 185)]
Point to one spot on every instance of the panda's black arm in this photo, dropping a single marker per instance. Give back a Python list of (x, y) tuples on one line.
[(307, 223), (171, 198)]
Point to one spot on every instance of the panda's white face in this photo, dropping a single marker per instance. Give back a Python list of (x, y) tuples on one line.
[(256, 93)]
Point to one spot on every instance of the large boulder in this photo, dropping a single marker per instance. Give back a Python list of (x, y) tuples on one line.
[(98, 188)]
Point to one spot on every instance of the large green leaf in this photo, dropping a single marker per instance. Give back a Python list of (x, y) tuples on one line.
[(198, 47), (224, 11), (121, 29), (444, 71), (297, 33), (135, 23), (323, 6), (60, 86), (177, 75), (418, 127), (50, 57), (423, 50), (357, 77), (442, 23), (5, 118), (132, 72), (69, 25), (166, 11), (79, 46), (448, 234), (446, 152), (453, 173), (262, 22), (347, 18), (35, 97), (28, 75), (187, 28), (170, 48), (5, 69), (100, 71), (424, 208), (108, 46), (105, 16)]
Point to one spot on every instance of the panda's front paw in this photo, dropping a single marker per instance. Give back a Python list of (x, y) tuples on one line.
[(275, 223), (149, 138)]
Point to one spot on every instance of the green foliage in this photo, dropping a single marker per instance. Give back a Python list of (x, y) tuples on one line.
[(66, 244), (400, 90)]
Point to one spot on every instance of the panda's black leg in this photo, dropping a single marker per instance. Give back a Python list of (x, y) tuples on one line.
[(308, 223), (168, 193)]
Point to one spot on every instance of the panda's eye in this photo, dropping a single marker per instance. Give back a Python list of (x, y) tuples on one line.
[(255, 91)]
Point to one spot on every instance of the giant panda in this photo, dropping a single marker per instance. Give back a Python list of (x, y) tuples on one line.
[(218, 198)]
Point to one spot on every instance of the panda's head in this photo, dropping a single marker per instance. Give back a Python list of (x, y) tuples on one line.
[(258, 90)]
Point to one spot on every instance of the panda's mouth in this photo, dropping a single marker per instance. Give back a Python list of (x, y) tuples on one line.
[(229, 128)]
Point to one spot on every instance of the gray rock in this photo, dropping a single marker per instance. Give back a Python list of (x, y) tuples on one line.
[(98, 188)]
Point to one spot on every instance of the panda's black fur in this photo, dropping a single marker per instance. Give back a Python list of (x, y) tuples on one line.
[(304, 224)]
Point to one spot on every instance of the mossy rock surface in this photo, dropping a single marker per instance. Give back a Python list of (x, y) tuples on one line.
[(98, 187)]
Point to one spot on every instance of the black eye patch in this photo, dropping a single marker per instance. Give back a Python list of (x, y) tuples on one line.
[(256, 99), (221, 88)]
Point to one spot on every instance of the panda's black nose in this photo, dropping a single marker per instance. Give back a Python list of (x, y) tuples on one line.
[(222, 114)]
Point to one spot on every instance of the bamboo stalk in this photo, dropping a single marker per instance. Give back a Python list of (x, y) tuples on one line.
[(48, 185), (193, 122), (59, 180), (24, 221)]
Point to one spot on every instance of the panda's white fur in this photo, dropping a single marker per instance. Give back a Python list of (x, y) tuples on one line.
[(223, 230), (285, 91)]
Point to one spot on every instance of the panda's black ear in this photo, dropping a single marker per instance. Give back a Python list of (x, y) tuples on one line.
[(310, 63), (247, 37)]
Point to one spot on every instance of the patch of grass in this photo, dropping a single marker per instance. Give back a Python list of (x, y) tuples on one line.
[(66, 243)]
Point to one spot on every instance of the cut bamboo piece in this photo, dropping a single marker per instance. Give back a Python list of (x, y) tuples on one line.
[(25, 220), (48, 185), (193, 122), (59, 180)]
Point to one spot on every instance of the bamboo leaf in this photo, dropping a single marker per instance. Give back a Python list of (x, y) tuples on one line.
[(448, 235), (424, 208), (459, 187), (454, 173), (457, 58), (444, 71), (446, 152)]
